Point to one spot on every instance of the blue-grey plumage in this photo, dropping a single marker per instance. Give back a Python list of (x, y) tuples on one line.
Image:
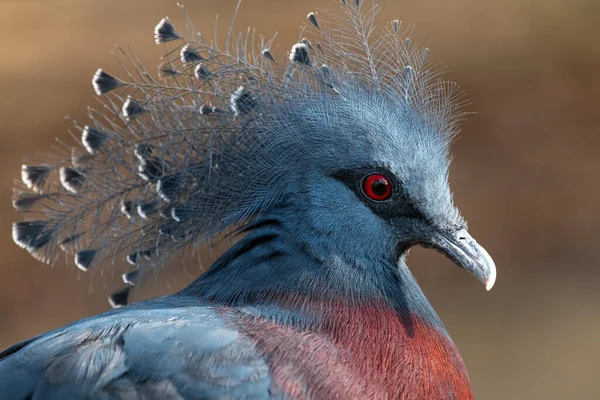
[(336, 104), (329, 164), (166, 348)]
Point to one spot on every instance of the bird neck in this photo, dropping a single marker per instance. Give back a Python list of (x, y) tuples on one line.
[(270, 270), (374, 318)]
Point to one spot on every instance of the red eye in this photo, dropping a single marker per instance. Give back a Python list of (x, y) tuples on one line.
[(377, 187)]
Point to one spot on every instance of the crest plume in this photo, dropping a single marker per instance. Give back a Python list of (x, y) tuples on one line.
[(213, 140)]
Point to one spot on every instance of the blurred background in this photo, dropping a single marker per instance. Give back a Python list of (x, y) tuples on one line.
[(526, 174)]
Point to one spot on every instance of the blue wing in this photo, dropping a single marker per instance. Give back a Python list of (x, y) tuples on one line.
[(163, 349)]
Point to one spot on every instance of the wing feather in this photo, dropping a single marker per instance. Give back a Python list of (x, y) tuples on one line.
[(138, 353)]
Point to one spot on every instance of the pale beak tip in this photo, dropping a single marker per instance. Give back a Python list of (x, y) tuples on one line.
[(489, 283)]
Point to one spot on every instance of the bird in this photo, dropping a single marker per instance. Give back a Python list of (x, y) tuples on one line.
[(322, 166)]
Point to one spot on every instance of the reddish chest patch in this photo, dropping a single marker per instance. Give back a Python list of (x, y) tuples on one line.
[(359, 352)]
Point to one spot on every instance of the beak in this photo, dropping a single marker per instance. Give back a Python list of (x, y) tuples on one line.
[(461, 248)]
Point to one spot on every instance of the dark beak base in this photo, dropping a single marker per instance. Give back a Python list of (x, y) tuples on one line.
[(463, 250)]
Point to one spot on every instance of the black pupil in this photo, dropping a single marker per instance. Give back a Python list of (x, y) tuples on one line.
[(379, 187)]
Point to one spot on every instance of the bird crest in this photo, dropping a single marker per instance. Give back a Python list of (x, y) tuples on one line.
[(215, 137)]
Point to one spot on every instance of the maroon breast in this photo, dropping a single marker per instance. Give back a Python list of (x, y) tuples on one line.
[(360, 352)]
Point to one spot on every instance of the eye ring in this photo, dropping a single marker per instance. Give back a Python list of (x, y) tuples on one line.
[(377, 187)]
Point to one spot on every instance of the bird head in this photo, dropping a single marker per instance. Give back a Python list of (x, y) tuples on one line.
[(348, 139), (366, 177)]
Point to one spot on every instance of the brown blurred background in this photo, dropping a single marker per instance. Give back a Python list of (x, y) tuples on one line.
[(526, 174)]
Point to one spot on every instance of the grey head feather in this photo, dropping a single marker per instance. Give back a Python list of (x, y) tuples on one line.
[(71, 179), (119, 298), (190, 55), (24, 201), (104, 82), (200, 72), (172, 163), (165, 32), (299, 54), (313, 19), (130, 278), (266, 53), (93, 139), (84, 259), (34, 177)]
